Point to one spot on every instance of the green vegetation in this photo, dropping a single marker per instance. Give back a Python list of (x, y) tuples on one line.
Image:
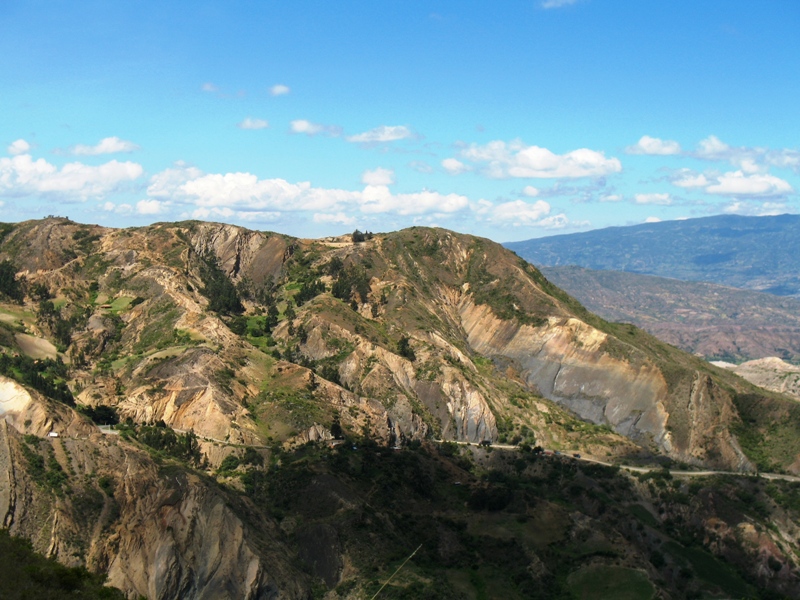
[(45, 470), (603, 582), (223, 297), (10, 286), (166, 442), (710, 569), (101, 414), (25, 575), (46, 376), (351, 281)]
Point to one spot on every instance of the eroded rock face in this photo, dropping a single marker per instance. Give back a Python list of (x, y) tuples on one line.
[(565, 360), (157, 534)]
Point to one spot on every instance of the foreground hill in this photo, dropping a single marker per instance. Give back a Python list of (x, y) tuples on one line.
[(757, 253), (716, 322), (223, 351)]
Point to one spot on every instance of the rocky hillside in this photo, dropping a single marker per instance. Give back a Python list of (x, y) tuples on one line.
[(756, 253), (770, 373), (714, 321), (219, 349)]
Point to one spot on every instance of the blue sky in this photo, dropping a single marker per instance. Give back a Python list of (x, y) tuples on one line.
[(511, 120)]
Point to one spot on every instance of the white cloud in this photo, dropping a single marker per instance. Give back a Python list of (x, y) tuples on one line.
[(22, 176), (337, 219), (245, 194), (279, 89), (165, 184), (748, 160), (311, 129), (688, 179), (514, 159), (652, 220), (109, 145), (521, 212), (530, 191), (663, 199), (18, 147), (378, 176), (611, 198), (454, 166), (149, 207), (757, 209), (384, 133), (378, 199), (251, 123), (122, 209), (737, 183), (209, 87), (784, 158), (713, 148), (654, 146), (556, 3)]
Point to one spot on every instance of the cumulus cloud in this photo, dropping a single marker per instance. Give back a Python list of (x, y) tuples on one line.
[(245, 193), (737, 183), (384, 133), (454, 166), (514, 159), (311, 129), (378, 199), (18, 147), (654, 146), (279, 89), (689, 179), (521, 212), (713, 148), (662, 199), (530, 191), (22, 176), (378, 176), (109, 145), (652, 220), (165, 184), (149, 207), (251, 123), (610, 198)]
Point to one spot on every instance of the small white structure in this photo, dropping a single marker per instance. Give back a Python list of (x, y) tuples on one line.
[(52, 434)]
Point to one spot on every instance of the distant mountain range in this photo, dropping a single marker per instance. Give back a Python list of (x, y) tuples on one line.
[(714, 321), (757, 253)]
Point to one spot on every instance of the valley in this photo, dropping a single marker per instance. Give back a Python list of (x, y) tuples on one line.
[(710, 320)]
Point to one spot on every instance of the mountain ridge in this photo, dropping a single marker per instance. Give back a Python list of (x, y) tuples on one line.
[(758, 253), (261, 381)]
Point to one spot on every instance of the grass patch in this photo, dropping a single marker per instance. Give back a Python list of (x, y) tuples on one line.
[(710, 569), (601, 582), (644, 515), (121, 303)]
